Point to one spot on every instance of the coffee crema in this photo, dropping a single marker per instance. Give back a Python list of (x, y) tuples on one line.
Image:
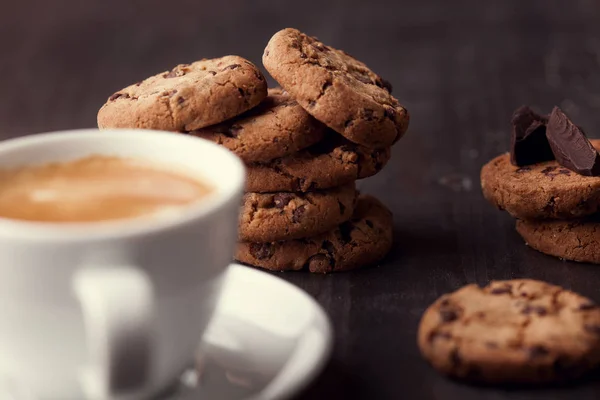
[(95, 188)]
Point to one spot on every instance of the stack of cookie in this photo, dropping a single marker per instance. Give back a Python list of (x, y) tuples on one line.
[(550, 182), (305, 144)]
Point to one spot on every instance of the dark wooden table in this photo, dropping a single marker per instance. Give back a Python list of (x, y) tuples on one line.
[(459, 66)]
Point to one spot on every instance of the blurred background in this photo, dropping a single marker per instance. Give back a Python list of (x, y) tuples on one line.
[(460, 67), (453, 63)]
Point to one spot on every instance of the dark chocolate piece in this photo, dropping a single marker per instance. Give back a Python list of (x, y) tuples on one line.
[(570, 146), (529, 144)]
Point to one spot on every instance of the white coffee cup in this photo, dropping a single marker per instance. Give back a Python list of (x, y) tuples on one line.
[(113, 310)]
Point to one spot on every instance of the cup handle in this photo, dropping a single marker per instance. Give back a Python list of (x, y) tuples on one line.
[(117, 306)]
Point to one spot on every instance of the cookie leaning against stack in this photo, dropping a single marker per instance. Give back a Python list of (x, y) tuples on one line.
[(301, 209), (551, 184)]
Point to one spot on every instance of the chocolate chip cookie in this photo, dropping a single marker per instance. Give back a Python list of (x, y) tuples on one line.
[(543, 190), (361, 241), (519, 331), (577, 240), (190, 96), (267, 217), (331, 162), (277, 127), (336, 89)]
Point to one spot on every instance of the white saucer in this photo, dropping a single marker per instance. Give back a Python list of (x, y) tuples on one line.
[(267, 341)]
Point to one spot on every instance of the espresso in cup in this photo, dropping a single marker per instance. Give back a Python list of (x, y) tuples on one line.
[(95, 188)]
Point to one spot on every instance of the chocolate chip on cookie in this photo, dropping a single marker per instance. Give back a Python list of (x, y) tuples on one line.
[(543, 190), (276, 128), (363, 240), (336, 89), (331, 162), (267, 217), (188, 97), (519, 331)]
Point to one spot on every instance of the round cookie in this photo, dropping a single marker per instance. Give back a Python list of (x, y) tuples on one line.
[(188, 97), (330, 163), (544, 190), (277, 127), (518, 331), (361, 241), (267, 217), (336, 89), (577, 240)]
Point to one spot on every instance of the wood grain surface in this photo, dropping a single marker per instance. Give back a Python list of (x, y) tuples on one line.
[(459, 66)]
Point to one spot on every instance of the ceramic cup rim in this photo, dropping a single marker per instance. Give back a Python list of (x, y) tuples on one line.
[(226, 191)]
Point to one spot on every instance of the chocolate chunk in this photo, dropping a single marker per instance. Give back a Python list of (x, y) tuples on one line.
[(595, 329), (368, 114), (345, 229), (448, 315), (234, 130), (539, 310), (390, 113), (501, 290), (180, 100), (169, 93), (242, 92), (118, 96), (298, 184), (587, 306), (369, 223), (298, 213), (549, 207), (282, 199), (564, 172), (328, 246), (386, 85), (261, 251), (538, 351), (232, 66), (213, 73), (330, 249), (570, 146), (342, 207), (523, 169), (529, 144), (548, 171)]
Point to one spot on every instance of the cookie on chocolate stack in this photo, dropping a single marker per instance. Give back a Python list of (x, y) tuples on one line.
[(305, 144), (550, 182)]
